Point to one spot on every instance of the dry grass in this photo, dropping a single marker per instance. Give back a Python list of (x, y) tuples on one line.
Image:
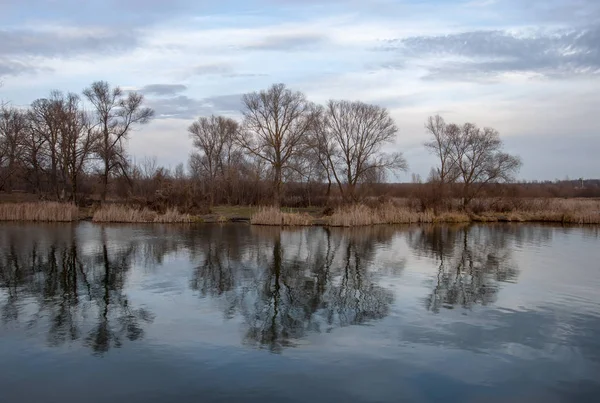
[(274, 216), (388, 213), (569, 211), (452, 217), (565, 211), (123, 214), (40, 211)]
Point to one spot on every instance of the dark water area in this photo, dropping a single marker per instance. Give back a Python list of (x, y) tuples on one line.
[(204, 313)]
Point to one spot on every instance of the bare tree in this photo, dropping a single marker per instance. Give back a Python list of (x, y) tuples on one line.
[(115, 114), (440, 145), (214, 138), (35, 158), (78, 138), (276, 124), (13, 128), (469, 155), (45, 118), (350, 138), (480, 160)]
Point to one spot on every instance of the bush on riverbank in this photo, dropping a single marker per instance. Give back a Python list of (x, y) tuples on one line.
[(41, 211)]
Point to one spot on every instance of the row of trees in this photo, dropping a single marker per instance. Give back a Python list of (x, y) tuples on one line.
[(283, 140), (56, 141), (297, 141), (341, 143)]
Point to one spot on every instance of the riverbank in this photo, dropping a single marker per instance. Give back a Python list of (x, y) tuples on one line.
[(563, 211), (39, 211)]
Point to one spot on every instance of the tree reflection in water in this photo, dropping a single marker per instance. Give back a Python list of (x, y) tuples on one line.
[(68, 281), (473, 261), (290, 282)]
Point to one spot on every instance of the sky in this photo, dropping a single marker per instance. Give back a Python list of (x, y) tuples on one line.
[(530, 69)]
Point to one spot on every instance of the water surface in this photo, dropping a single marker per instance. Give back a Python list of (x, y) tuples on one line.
[(234, 312)]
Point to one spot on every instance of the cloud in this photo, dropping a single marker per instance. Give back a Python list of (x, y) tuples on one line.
[(15, 68), (480, 54), (163, 89), (245, 75), (51, 42), (225, 103), (288, 42), (107, 12), (211, 68), (224, 70), (183, 107), (572, 12)]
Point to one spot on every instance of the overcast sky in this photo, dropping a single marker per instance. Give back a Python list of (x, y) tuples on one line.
[(530, 69)]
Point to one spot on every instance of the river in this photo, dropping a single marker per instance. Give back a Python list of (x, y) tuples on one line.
[(233, 312)]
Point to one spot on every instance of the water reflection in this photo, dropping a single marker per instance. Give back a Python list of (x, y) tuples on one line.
[(72, 282), (407, 313), (472, 262), (55, 282), (294, 282)]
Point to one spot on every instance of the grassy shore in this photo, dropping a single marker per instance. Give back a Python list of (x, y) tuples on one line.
[(564, 211), (567, 211), (274, 216), (124, 214), (39, 211)]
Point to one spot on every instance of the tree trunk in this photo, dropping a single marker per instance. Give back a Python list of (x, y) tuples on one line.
[(104, 184), (54, 175), (278, 186), (74, 188)]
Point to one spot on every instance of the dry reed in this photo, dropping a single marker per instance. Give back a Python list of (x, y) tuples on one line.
[(388, 213), (537, 210), (565, 211), (41, 211), (274, 216), (569, 211), (123, 214)]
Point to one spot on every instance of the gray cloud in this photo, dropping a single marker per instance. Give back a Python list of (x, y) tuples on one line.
[(219, 69), (212, 68), (106, 12), (563, 11), (488, 53), (57, 43), (288, 42), (184, 107), (245, 75), (163, 89), (226, 103), (14, 68)]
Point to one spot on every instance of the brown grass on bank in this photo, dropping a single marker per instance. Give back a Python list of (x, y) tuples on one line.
[(124, 214), (565, 211), (40, 211), (570, 211), (388, 213), (274, 216)]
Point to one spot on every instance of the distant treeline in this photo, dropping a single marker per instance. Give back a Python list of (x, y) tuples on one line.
[(285, 150)]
